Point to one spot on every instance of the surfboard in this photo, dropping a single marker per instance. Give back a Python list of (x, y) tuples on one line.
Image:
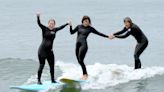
[(71, 81), (36, 87)]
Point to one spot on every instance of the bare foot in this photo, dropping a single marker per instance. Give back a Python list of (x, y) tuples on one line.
[(84, 77)]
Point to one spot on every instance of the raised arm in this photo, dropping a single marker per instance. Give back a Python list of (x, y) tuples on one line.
[(61, 27), (72, 31), (39, 23), (98, 33), (127, 33)]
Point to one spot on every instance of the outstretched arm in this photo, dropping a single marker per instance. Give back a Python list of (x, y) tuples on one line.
[(38, 20), (120, 32), (61, 27), (98, 33), (124, 35), (72, 31)]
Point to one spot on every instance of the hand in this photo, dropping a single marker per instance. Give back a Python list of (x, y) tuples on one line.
[(38, 14), (69, 23), (111, 36)]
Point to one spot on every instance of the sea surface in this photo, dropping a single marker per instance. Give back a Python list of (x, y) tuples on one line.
[(109, 62)]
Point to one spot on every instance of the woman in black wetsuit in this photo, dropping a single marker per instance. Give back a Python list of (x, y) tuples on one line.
[(142, 41), (45, 50), (83, 31)]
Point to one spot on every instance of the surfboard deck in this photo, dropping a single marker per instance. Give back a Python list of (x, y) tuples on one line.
[(71, 81), (48, 85), (36, 87)]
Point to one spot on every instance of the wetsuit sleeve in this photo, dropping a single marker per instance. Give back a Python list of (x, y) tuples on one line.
[(61, 27), (128, 32), (98, 33), (72, 31), (39, 23), (120, 32)]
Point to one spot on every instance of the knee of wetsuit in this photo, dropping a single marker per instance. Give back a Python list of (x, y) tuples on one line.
[(51, 70), (81, 62), (41, 66)]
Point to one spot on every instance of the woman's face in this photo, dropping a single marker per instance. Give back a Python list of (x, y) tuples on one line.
[(51, 24), (86, 23), (127, 24)]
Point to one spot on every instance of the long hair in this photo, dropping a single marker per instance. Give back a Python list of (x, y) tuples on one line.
[(128, 19)]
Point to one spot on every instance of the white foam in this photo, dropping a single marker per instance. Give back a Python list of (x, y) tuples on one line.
[(105, 75), (102, 76)]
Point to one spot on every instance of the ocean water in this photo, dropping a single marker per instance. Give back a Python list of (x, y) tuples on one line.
[(109, 63)]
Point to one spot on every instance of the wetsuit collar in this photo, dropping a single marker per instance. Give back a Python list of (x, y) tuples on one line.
[(51, 29), (84, 26)]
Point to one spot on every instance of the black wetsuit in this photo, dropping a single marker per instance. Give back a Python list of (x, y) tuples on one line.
[(142, 41), (45, 49), (81, 43)]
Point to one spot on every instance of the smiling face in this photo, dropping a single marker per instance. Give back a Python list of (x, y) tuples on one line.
[(86, 23), (127, 24), (51, 24)]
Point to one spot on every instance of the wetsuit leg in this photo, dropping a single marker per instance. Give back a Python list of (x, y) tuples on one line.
[(140, 47), (82, 52), (78, 45), (50, 59), (41, 66), (77, 50)]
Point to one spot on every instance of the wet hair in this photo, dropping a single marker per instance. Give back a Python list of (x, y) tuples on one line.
[(86, 18), (128, 19), (52, 20)]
